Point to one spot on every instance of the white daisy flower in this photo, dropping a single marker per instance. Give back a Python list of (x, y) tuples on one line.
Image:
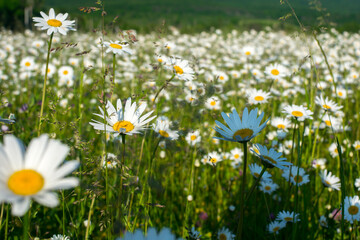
[(118, 48), (182, 69), (34, 173), (275, 226), (256, 169), (270, 158), (54, 23), (286, 216), (257, 96), (276, 71), (123, 121), (193, 138), (162, 127), (327, 104), (281, 123), (225, 234), (330, 180), (212, 158), (299, 112), (268, 186), (27, 64), (213, 103), (352, 207)]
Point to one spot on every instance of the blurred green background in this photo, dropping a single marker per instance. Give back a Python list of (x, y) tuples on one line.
[(188, 15)]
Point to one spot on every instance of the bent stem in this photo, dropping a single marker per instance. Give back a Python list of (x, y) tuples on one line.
[(163, 86), (255, 184), (44, 87), (239, 230)]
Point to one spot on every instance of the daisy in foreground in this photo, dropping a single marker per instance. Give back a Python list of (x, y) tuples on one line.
[(34, 174), (54, 23), (123, 121), (240, 130), (352, 207)]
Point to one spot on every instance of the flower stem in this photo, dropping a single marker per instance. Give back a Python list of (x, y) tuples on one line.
[(44, 87), (163, 86), (239, 230), (255, 184), (89, 217), (26, 225)]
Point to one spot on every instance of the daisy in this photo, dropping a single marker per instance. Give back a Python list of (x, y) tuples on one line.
[(333, 150), (276, 71), (357, 183), (327, 104), (54, 23), (256, 169), (212, 158), (162, 127), (225, 234), (319, 163), (59, 237), (281, 123), (248, 50), (236, 154), (213, 103), (240, 130), (286, 216), (118, 48), (296, 176), (66, 72), (34, 173), (257, 96), (352, 207), (356, 145), (110, 161), (275, 226), (268, 186), (299, 112), (270, 158), (323, 221), (27, 64), (330, 180), (123, 121), (182, 69), (193, 138)]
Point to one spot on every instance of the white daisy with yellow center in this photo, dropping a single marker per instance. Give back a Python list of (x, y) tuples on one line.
[(329, 180), (268, 186), (352, 209), (225, 234), (34, 173), (240, 130), (276, 226), (356, 145), (181, 68), (256, 169), (27, 64), (54, 23), (193, 137), (123, 121), (118, 47), (327, 104), (270, 158), (286, 216), (281, 123), (162, 127), (276, 71), (213, 103), (298, 112), (257, 96)]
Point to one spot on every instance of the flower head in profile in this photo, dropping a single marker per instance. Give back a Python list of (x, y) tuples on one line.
[(34, 173), (123, 121), (275, 226), (329, 180), (270, 158), (162, 127), (240, 130), (286, 216), (327, 104), (118, 48), (54, 23)]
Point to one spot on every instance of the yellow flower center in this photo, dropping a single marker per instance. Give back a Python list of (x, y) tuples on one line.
[(288, 219), (327, 182), (54, 23), (193, 137), (65, 72), (336, 151), (27, 64), (275, 72), (281, 126), (178, 70), (212, 103), (357, 146), (298, 179), (275, 229), (160, 60), (326, 106), (267, 188), (328, 123), (236, 156), (243, 133), (247, 53), (25, 182), (270, 159), (297, 113), (259, 98), (114, 45), (128, 126), (340, 94), (256, 175), (213, 160), (221, 78), (222, 237), (163, 133), (353, 210)]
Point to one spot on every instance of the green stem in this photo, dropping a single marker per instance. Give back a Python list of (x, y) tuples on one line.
[(44, 87), (255, 184), (7, 222), (163, 86), (240, 225), (121, 177), (26, 225), (89, 218), (63, 213)]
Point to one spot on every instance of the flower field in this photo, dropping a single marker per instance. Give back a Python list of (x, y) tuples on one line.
[(213, 135)]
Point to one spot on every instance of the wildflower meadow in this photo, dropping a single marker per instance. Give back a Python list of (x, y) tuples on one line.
[(211, 135)]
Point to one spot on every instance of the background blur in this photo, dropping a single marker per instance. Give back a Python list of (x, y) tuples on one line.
[(187, 15)]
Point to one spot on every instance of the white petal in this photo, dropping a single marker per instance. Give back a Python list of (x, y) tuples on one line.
[(52, 13), (65, 183), (19, 208), (15, 151), (47, 199), (35, 151)]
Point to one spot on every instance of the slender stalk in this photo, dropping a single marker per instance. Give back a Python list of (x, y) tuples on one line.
[(1, 215), (163, 86), (255, 184), (7, 222), (44, 87), (26, 225), (63, 213), (240, 225), (89, 217), (121, 177)]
